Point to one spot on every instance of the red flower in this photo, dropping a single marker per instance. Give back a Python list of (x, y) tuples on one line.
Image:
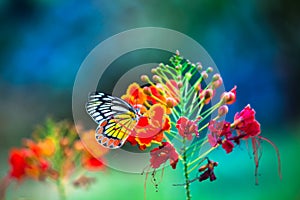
[(220, 129), (186, 128), (150, 128), (220, 133), (155, 94), (165, 94), (227, 145), (91, 163), (161, 154), (246, 124), (17, 160), (134, 95), (212, 139)]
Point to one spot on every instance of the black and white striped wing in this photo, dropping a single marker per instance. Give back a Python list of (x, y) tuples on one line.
[(103, 106), (116, 119)]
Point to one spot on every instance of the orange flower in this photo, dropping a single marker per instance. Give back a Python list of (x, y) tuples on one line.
[(160, 93), (150, 127), (47, 147), (42, 148), (134, 95), (90, 144)]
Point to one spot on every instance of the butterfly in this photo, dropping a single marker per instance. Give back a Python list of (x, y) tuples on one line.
[(115, 118)]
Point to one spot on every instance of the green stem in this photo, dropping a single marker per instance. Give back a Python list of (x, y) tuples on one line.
[(196, 166), (61, 189), (173, 134), (190, 154), (186, 174), (202, 156)]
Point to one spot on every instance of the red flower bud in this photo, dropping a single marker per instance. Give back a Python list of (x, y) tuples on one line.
[(229, 97), (207, 95), (223, 110)]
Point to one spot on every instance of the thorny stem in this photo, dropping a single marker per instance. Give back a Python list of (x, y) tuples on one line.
[(186, 174), (184, 156)]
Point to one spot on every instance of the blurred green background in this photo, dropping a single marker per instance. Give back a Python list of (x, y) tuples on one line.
[(255, 44)]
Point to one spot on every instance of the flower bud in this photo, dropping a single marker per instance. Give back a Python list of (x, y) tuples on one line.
[(161, 65), (223, 110), (204, 75), (78, 145), (64, 141), (145, 78), (216, 77), (147, 91), (217, 81), (209, 70), (197, 87), (177, 53), (206, 95), (178, 67), (156, 78), (170, 102), (179, 77), (229, 97), (188, 75), (199, 66), (180, 84), (153, 70)]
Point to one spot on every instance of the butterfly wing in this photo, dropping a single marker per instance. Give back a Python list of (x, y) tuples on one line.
[(116, 119)]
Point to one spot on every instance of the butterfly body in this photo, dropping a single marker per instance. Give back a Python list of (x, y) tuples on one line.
[(114, 116)]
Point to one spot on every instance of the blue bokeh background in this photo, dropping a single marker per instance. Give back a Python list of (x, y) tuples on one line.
[(255, 45)]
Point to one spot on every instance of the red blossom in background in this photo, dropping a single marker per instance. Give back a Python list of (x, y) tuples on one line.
[(91, 163), (55, 153), (17, 161), (161, 154), (186, 128)]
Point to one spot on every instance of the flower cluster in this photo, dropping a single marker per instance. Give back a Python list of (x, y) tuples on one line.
[(176, 105), (55, 153), (245, 125)]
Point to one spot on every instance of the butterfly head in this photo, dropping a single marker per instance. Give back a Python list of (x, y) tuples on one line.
[(137, 109)]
